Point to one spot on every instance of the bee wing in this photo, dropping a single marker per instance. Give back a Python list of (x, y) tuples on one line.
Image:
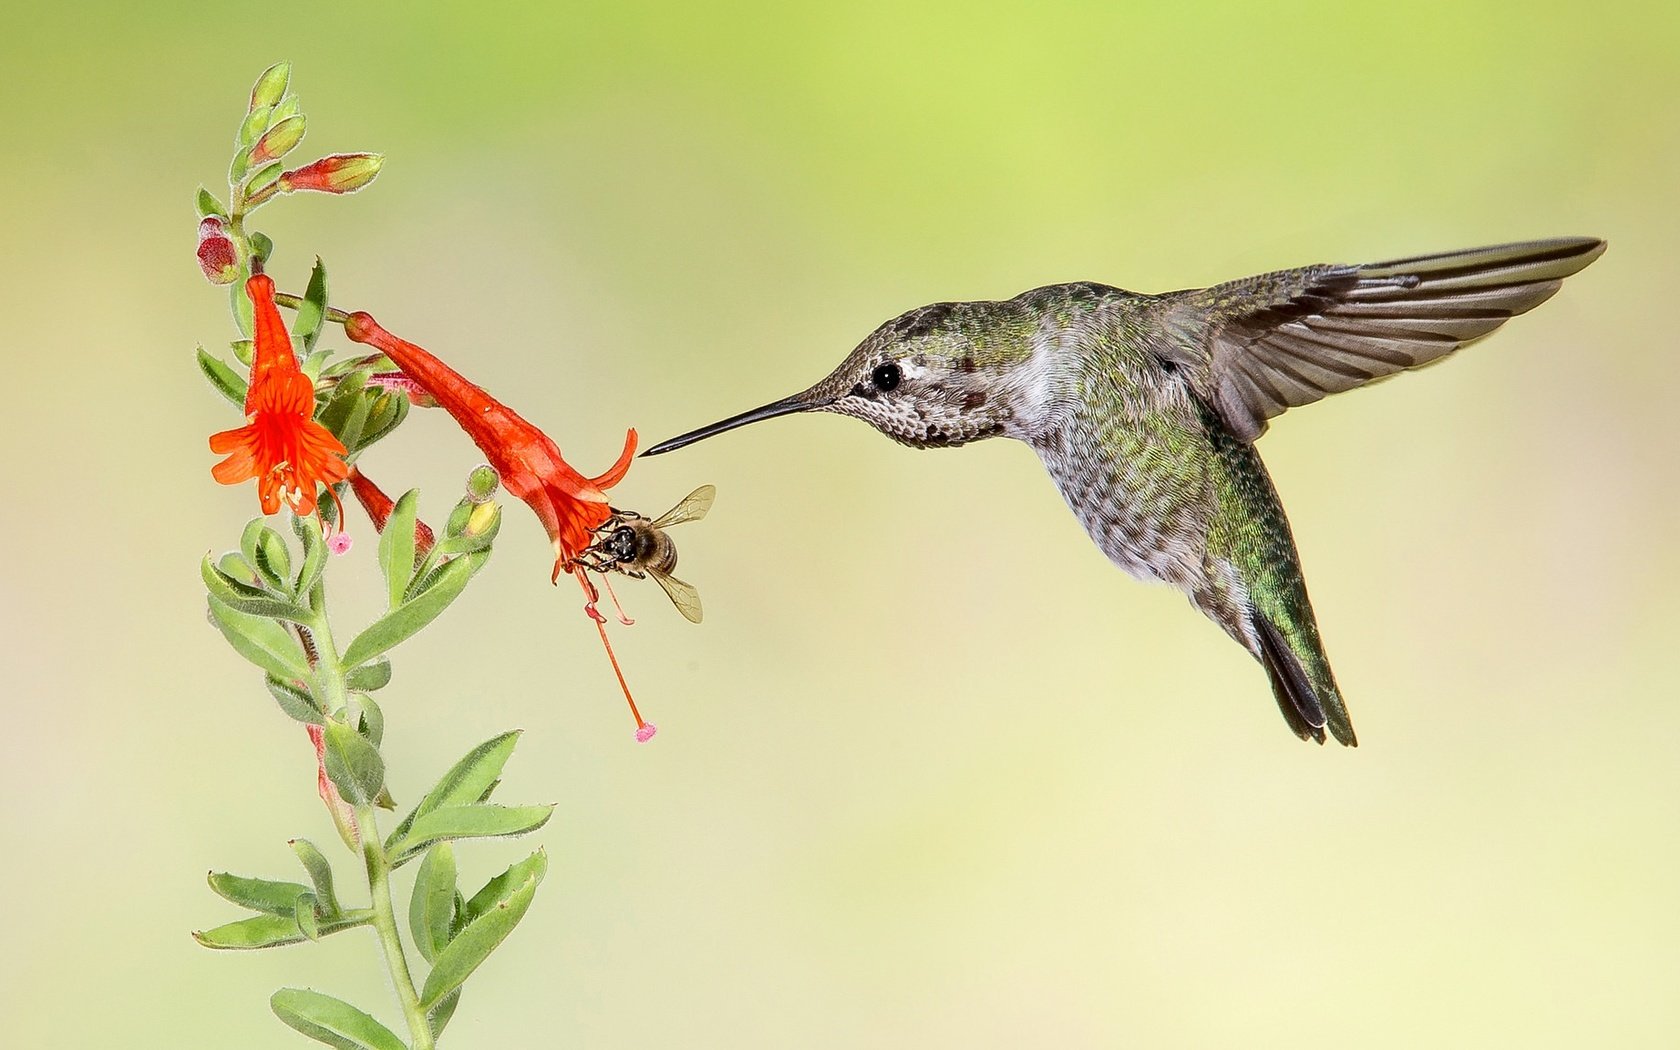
[(682, 595), (693, 507)]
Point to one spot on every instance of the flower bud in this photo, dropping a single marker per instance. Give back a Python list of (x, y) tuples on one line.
[(218, 256), (277, 141), (338, 173), (482, 483), (270, 87)]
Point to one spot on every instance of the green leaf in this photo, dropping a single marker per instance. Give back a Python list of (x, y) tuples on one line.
[(303, 909), (259, 931), (373, 721), (273, 931), (275, 898), (242, 160), (386, 413), (438, 1016), (240, 303), (270, 87), (478, 820), (261, 247), (234, 564), (266, 552), (320, 873), (265, 175), (432, 907), (466, 781), (342, 402), (499, 888), (370, 676), (396, 546), (226, 381), (294, 702), (260, 640), (208, 205), (314, 554), (402, 623), (254, 124), (331, 1021), (312, 312), (243, 351), (353, 764), (246, 598), (475, 942), (426, 582), (357, 421)]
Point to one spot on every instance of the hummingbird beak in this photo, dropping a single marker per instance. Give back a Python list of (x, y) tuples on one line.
[(786, 406)]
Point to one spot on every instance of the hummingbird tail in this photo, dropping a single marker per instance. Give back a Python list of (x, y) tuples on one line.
[(1310, 701)]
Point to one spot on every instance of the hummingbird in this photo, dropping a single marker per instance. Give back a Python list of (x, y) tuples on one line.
[(1144, 409)]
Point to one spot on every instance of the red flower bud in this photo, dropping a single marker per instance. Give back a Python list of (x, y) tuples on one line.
[(218, 256), (338, 173)]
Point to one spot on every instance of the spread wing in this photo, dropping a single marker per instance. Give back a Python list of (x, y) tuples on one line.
[(682, 594), (1264, 344), (692, 508)]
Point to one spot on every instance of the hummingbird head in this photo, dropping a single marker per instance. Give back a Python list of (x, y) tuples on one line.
[(938, 375)]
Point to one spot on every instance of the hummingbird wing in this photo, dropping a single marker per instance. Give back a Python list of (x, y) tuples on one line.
[(1258, 346)]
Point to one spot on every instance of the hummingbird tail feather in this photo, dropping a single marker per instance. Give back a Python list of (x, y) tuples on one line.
[(1308, 707)]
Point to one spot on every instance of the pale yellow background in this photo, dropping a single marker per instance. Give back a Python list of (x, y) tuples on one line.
[(932, 773)]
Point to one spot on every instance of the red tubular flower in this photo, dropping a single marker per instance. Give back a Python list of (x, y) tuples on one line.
[(569, 505), (280, 444)]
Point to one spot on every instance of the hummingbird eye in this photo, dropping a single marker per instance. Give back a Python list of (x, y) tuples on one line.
[(885, 376)]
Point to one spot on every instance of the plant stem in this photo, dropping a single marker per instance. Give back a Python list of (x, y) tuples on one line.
[(385, 921), (334, 697)]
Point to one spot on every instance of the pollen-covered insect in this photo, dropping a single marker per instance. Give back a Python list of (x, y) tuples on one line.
[(638, 547)]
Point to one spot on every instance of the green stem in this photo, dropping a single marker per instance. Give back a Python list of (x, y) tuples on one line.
[(334, 697), (385, 921)]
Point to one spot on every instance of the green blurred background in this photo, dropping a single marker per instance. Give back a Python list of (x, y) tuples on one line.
[(932, 773)]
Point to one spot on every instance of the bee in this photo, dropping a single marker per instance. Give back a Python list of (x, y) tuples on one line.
[(638, 547)]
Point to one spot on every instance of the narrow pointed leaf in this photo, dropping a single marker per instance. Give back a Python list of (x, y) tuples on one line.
[(273, 931), (432, 907), (502, 886), (208, 205), (320, 873), (475, 942), (396, 546), (331, 1021), (375, 674), (440, 1013), (266, 552), (259, 931), (227, 382), (303, 910), (250, 599), (473, 821), (294, 702), (353, 764), (466, 780), (372, 724), (345, 393), (260, 640), (312, 312), (267, 895), (401, 623), (314, 554)]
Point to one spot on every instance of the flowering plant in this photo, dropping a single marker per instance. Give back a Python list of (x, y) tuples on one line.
[(307, 422)]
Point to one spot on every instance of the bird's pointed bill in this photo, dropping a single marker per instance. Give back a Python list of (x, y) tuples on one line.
[(786, 406)]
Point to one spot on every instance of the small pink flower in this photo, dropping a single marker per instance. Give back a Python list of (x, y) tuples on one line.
[(645, 731), (339, 543)]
